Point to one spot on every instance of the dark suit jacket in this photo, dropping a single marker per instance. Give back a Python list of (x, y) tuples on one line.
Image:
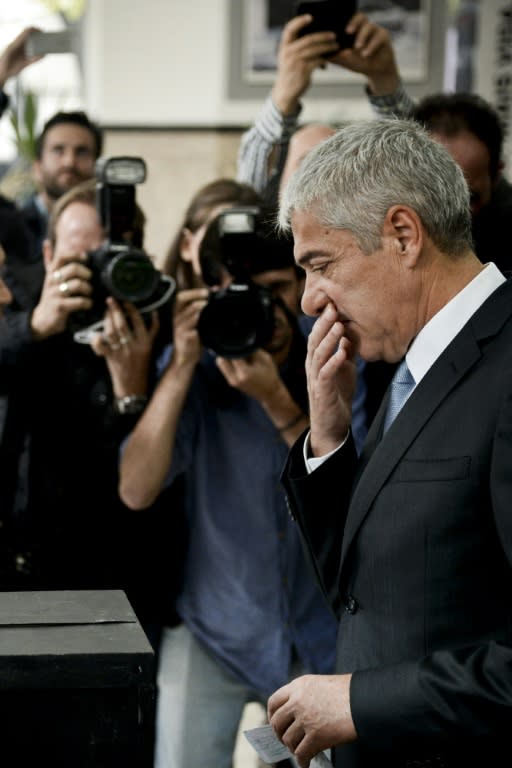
[(413, 546)]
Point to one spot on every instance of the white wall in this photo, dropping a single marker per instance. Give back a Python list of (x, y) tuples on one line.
[(154, 62), (165, 62)]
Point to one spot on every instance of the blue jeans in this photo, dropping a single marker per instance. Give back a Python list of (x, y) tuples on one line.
[(199, 705)]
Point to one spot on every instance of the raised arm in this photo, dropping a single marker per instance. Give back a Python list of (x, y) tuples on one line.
[(148, 452), (263, 145), (14, 58)]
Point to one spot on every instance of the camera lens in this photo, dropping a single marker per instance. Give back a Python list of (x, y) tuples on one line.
[(131, 276), (237, 320)]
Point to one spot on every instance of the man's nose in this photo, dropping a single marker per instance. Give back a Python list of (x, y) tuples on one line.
[(69, 157), (309, 301)]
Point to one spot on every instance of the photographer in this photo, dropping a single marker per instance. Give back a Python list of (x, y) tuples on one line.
[(63, 525), (5, 300), (5, 294), (251, 613)]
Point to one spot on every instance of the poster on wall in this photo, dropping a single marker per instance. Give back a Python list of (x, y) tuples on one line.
[(407, 22), (493, 65), (417, 29)]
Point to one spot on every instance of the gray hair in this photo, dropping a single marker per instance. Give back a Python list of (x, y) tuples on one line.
[(350, 181)]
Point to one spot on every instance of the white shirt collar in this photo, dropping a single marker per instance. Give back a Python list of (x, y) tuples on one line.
[(441, 329)]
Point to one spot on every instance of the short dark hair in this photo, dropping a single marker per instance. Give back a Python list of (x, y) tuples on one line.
[(76, 118), (450, 113)]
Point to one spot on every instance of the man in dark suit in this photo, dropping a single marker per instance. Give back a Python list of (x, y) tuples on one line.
[(412, 542)]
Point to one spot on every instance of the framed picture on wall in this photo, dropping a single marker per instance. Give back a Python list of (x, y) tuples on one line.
[(417, 28)]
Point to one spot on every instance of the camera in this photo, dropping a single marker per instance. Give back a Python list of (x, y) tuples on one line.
[(329, 15), (120, 267), (242, 242)]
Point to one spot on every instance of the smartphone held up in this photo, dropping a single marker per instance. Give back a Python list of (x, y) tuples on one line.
[(39, 43), (329, 16)]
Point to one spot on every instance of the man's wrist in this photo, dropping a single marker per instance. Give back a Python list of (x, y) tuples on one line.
[(288, 109), (383, 86)]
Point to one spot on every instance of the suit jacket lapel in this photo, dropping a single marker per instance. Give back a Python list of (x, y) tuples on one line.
[(380, 456)]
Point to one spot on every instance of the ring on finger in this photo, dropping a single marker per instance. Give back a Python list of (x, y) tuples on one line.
[(124, 340), (57, 276), (64, 287)]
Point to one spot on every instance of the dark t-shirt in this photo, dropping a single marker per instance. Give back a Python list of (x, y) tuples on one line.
[(492, 228)]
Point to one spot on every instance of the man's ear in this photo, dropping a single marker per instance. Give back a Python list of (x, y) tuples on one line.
[(47, 253), (404, 226)]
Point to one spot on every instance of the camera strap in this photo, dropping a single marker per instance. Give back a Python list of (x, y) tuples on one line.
[(85, 335)]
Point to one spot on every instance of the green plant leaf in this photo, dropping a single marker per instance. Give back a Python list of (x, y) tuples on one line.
[(16, 127), (30, 116), (23, 121)]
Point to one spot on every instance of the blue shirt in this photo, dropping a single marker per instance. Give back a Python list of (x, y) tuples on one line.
[(249, 594)]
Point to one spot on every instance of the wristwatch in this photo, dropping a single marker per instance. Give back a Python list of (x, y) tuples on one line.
[(131, 403)]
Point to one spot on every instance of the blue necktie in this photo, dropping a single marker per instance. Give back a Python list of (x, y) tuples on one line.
[(402, 385)]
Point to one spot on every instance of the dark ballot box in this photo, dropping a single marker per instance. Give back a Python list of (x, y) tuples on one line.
[(76, 681)]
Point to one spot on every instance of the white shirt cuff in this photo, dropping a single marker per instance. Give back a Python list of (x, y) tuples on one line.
[(313, 463)]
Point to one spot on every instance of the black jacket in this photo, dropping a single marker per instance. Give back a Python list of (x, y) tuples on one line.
[(412, 546)]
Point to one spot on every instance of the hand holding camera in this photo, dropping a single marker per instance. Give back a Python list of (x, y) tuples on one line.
[(371, 55), (66, 289), (126, 344), (297, 59), (16, 57), (188, 305), (257, 375)]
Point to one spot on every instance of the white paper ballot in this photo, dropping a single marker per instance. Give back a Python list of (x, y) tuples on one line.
[(271, 750)]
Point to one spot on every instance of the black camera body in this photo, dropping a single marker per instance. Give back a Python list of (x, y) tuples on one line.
[(121, 271), (239, 319), (120, 267)]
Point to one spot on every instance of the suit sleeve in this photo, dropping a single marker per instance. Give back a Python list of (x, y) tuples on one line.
[(318, 503)]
